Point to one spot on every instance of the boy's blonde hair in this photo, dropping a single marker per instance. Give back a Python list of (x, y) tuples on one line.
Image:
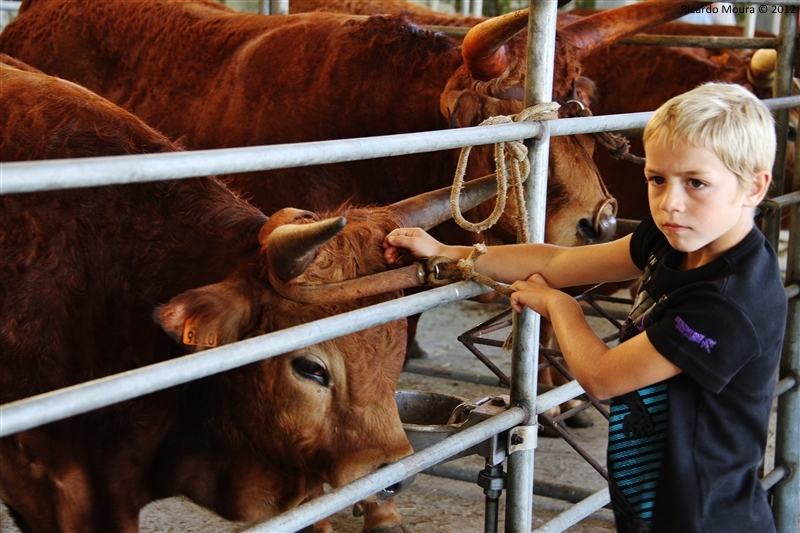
[(723, 118)]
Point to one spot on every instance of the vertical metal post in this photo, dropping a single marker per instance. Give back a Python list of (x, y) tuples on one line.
[(785, 504), (782, 87), (524, 369)]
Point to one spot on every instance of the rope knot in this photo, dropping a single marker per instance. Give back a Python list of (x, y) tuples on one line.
[(442, 271), (467, 266), (617, 145)]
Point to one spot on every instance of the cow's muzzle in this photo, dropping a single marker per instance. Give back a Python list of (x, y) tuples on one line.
[(395, 489), (603, 227)]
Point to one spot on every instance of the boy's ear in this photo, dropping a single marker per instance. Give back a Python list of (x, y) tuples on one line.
[(207, 316), (758, 189)]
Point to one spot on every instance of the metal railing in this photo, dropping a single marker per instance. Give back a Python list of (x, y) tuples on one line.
[(28, 413), (22, 177)]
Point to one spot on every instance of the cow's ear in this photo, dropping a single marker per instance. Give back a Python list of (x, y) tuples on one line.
[(460, 108), (208, 316)]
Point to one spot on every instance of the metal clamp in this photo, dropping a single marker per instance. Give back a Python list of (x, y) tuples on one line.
[(522, 438)]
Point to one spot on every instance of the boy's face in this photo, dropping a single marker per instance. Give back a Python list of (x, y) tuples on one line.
[(696, 201)]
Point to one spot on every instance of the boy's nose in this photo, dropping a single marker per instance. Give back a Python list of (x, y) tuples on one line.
[(671, 200)]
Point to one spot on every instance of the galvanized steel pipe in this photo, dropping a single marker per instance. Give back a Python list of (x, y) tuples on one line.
[(337, 499), (576, 513), (29, 176), (56, 405), (786, 494), (525, 353), (782, 87)]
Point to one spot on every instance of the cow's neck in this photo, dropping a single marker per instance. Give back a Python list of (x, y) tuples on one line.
[(208, 461)]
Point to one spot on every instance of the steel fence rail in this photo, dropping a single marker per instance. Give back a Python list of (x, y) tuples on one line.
[(317, 509), (22, 177), (577, 512), (30, 176), (56, 405)]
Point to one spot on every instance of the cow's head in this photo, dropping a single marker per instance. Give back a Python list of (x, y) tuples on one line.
[(325, 413), (491, 82)]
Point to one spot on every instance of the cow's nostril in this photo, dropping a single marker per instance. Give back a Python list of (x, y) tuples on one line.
[(606, 227), (602, 229), (586, 232)]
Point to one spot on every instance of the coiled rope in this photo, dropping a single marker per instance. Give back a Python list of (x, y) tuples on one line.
[(512, 169)]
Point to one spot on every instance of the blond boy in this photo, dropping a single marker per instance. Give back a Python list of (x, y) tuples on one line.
[(691, 398)]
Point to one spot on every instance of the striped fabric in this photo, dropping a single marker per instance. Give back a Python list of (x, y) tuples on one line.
[(637, 436)]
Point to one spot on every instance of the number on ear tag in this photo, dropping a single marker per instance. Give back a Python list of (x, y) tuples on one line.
[(192, 337)]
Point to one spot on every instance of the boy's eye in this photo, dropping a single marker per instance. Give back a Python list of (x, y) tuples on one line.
[(696, 184), (655, 180)]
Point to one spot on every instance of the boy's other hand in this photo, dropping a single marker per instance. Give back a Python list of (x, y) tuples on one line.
[(536, 294)]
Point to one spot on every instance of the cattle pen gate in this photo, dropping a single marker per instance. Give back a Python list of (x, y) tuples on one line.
[(510, 428)]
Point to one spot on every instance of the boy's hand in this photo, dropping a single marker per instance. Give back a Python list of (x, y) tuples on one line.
[(536, 294), (403, 245)]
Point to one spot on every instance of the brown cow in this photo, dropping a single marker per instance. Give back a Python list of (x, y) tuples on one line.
[(221, 78), (218, 78), (421, 14), (98, 281)]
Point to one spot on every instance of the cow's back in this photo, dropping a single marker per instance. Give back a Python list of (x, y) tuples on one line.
[(212, 77), (70, 253)]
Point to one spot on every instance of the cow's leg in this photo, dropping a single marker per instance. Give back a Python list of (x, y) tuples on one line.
[(413, 349), (380, 516), (321, 526)]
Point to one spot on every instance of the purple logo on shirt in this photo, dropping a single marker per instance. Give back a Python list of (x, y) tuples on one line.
[(684, 329)]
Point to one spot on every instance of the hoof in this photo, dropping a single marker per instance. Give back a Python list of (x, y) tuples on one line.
[(547, 432), (580, 420), (390, 529), (415, 351)]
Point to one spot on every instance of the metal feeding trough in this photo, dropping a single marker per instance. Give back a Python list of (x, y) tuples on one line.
[(430, 417)]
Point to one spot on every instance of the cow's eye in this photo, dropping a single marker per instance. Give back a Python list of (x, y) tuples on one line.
[(311, 368)]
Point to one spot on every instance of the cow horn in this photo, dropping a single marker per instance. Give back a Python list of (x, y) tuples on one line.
[(432, 208), (761, 71), (609, 26), (483, 47), (292, 247)]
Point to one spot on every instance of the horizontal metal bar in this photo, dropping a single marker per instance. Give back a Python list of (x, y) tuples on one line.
[(577, 512), (786, 200), (416, 367), (792, 291), (785, 385), (89, 172), (557, 396), (28, 176), (772, 479), (338, 499), (696, 41), (56, 405), (547, 489)]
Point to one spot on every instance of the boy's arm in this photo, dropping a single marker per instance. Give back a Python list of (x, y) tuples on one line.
[(603, 372), (560, 266)]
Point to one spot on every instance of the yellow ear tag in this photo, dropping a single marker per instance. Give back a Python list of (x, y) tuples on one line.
[(192, 337)]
